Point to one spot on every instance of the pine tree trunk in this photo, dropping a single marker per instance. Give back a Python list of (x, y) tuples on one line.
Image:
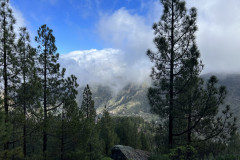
[(6, 145), (24, 107), (62, 139), (24, 134), (88, 106), (45, 107), (189, 128), (171, 84), (90, 151), (189, 138)]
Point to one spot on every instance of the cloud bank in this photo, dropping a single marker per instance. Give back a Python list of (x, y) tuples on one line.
[(20, 21), (126, 62), (218, 36), (104, 67), (129, 35)]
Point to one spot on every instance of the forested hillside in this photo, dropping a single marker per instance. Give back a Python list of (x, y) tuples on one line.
[(180, 115), (132, 99)]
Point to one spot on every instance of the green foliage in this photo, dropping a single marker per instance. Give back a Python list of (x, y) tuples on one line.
[(5, 129), (35, 157), (8, 62), (227, 157), (40, 119), (52, 78), (188, 106), (234, 145), (87, 106), (107, 132), (5, 133), (90, 146), (160, 139), (134, 132), (208, 148), (9, 154), (183, 153), (56, 90), (159, 157), (106, 158), (175, 63), (127, 131)]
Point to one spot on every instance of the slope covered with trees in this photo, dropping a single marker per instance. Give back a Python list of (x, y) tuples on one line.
[(40, 118)]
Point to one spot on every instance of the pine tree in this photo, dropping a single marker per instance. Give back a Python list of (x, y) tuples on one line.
[(70, 118), (5, 130), (107, 132), (87, 106), (28, 88), (90, 143), (7, 56), (52, 79), (175, 40), (65, 131), (200, 106), (178, 93), (127, 129)]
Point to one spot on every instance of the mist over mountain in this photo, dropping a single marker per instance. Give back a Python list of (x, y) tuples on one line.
[(132, 99), (122, 87), (107, 67), (231, 81)]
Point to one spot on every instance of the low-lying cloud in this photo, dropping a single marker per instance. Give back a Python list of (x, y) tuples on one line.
[(218, 36), (129, 35), (128, 63), (106, 67)]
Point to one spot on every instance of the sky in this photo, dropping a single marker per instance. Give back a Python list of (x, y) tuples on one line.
[(105, 41)]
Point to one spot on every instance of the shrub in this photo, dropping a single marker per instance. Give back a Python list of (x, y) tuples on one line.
[(159, 157), (106, 158), (183, 153)]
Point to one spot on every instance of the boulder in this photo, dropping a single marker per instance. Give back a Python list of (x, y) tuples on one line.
[(120, 152)]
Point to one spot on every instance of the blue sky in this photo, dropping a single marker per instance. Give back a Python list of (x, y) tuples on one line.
[(75, 22), (105, 41)]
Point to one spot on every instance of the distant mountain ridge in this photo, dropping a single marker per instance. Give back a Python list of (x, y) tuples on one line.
[(132, 99), (232, 82)]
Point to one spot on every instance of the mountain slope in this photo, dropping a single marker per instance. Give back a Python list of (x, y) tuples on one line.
[(132, 99), (232, 82)]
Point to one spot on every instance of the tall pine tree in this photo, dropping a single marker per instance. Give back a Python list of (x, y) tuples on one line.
[(28, 89), (7, 57), (87, 106), (52, 78), (178, 93), (175, 38), (90, 142), (107, 132)]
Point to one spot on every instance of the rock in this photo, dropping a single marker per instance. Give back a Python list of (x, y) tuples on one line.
[(120, 152)]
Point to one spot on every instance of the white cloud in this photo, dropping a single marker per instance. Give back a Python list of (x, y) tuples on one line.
[(127, 63), (94, 66), (20, 21), (218, 36), (128, 32), (131, 35), (105, 66)]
